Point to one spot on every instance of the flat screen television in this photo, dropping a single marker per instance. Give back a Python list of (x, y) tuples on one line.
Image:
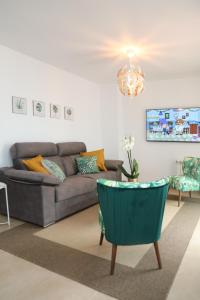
[(173, 124)]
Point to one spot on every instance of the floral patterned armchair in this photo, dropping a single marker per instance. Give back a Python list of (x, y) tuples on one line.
[(190, 180)]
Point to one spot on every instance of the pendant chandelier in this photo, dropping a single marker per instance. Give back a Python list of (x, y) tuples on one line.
[(130, 78)]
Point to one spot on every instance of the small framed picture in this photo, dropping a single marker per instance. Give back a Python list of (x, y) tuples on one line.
[(69, 113), (19, 105), (55, 111), (39, 108)]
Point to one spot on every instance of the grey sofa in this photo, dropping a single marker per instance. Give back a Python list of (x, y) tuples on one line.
[(42, 199)]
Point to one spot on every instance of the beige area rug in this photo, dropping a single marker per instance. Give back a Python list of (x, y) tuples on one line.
[(82, 232), (139, 279)]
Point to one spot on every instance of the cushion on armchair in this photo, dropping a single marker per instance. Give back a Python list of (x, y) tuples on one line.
[(190, 180), (184, 183)]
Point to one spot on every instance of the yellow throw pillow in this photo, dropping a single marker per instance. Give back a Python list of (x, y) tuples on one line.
[(100, 158), (35, 164)]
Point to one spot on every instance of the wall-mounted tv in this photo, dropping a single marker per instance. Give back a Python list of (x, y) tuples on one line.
[(173, 124)]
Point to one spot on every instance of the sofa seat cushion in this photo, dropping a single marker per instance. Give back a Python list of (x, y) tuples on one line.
[(106, 175), (74, 186)]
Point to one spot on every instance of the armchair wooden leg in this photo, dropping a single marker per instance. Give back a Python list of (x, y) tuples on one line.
[(158, 254), (101, 238), (113, 258), (179, 197), (190, 194)]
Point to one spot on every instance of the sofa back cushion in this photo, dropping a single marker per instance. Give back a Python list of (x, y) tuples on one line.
[(70, 165), (68, 152), (27, 150), (70, 148), (18, 164), (63, 154), (20, 151)]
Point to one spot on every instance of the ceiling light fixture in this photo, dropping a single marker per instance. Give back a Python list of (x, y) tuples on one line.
[(130, 78)]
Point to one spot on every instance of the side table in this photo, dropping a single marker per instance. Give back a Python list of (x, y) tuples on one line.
[(4, 186)]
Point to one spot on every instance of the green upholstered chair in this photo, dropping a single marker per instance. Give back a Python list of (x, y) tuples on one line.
[(131, 213), (190, 180)]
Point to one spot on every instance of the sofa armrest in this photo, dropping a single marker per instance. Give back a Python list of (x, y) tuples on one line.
[(30, 177), (113, 164)]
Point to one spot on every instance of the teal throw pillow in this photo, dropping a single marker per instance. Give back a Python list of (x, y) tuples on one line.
[(87, 164), (53, 169)]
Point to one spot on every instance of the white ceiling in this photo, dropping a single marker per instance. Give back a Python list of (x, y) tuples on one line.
[(85, 37)]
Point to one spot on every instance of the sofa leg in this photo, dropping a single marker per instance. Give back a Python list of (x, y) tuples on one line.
[(44, 226), (101, 238), (179, 197)]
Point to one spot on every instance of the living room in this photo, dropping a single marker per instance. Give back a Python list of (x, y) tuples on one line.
[(67, 55)]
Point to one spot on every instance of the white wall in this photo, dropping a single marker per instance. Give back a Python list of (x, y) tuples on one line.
[(109, 121), (156, 159), (23, 76)]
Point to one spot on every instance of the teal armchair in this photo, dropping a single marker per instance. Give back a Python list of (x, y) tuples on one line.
[(131, 213), (190, 180)]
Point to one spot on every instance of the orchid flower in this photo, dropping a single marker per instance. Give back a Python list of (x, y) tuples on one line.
[(128, 145)]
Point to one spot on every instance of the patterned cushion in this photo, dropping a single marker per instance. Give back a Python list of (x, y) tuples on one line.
[(195, 172), (187, 164), (53, 169), (133, 185), (87, 164), (184, 183)]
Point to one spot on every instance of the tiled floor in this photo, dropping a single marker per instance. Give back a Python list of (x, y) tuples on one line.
[(187, 282), (22, 280)]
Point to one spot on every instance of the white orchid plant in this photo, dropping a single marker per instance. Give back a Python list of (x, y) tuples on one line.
[(127, 145)]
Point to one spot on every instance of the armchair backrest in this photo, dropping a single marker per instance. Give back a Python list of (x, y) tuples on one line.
[(191, 167), (132, 212)]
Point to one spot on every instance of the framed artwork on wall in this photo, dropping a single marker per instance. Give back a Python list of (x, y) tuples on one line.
[(55, 111), (39, 108), (69, 113), (19, 105)]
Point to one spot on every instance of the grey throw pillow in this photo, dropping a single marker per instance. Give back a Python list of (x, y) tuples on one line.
[(53, 169)]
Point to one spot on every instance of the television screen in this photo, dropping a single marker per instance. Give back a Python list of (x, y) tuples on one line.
[(173, 124)]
